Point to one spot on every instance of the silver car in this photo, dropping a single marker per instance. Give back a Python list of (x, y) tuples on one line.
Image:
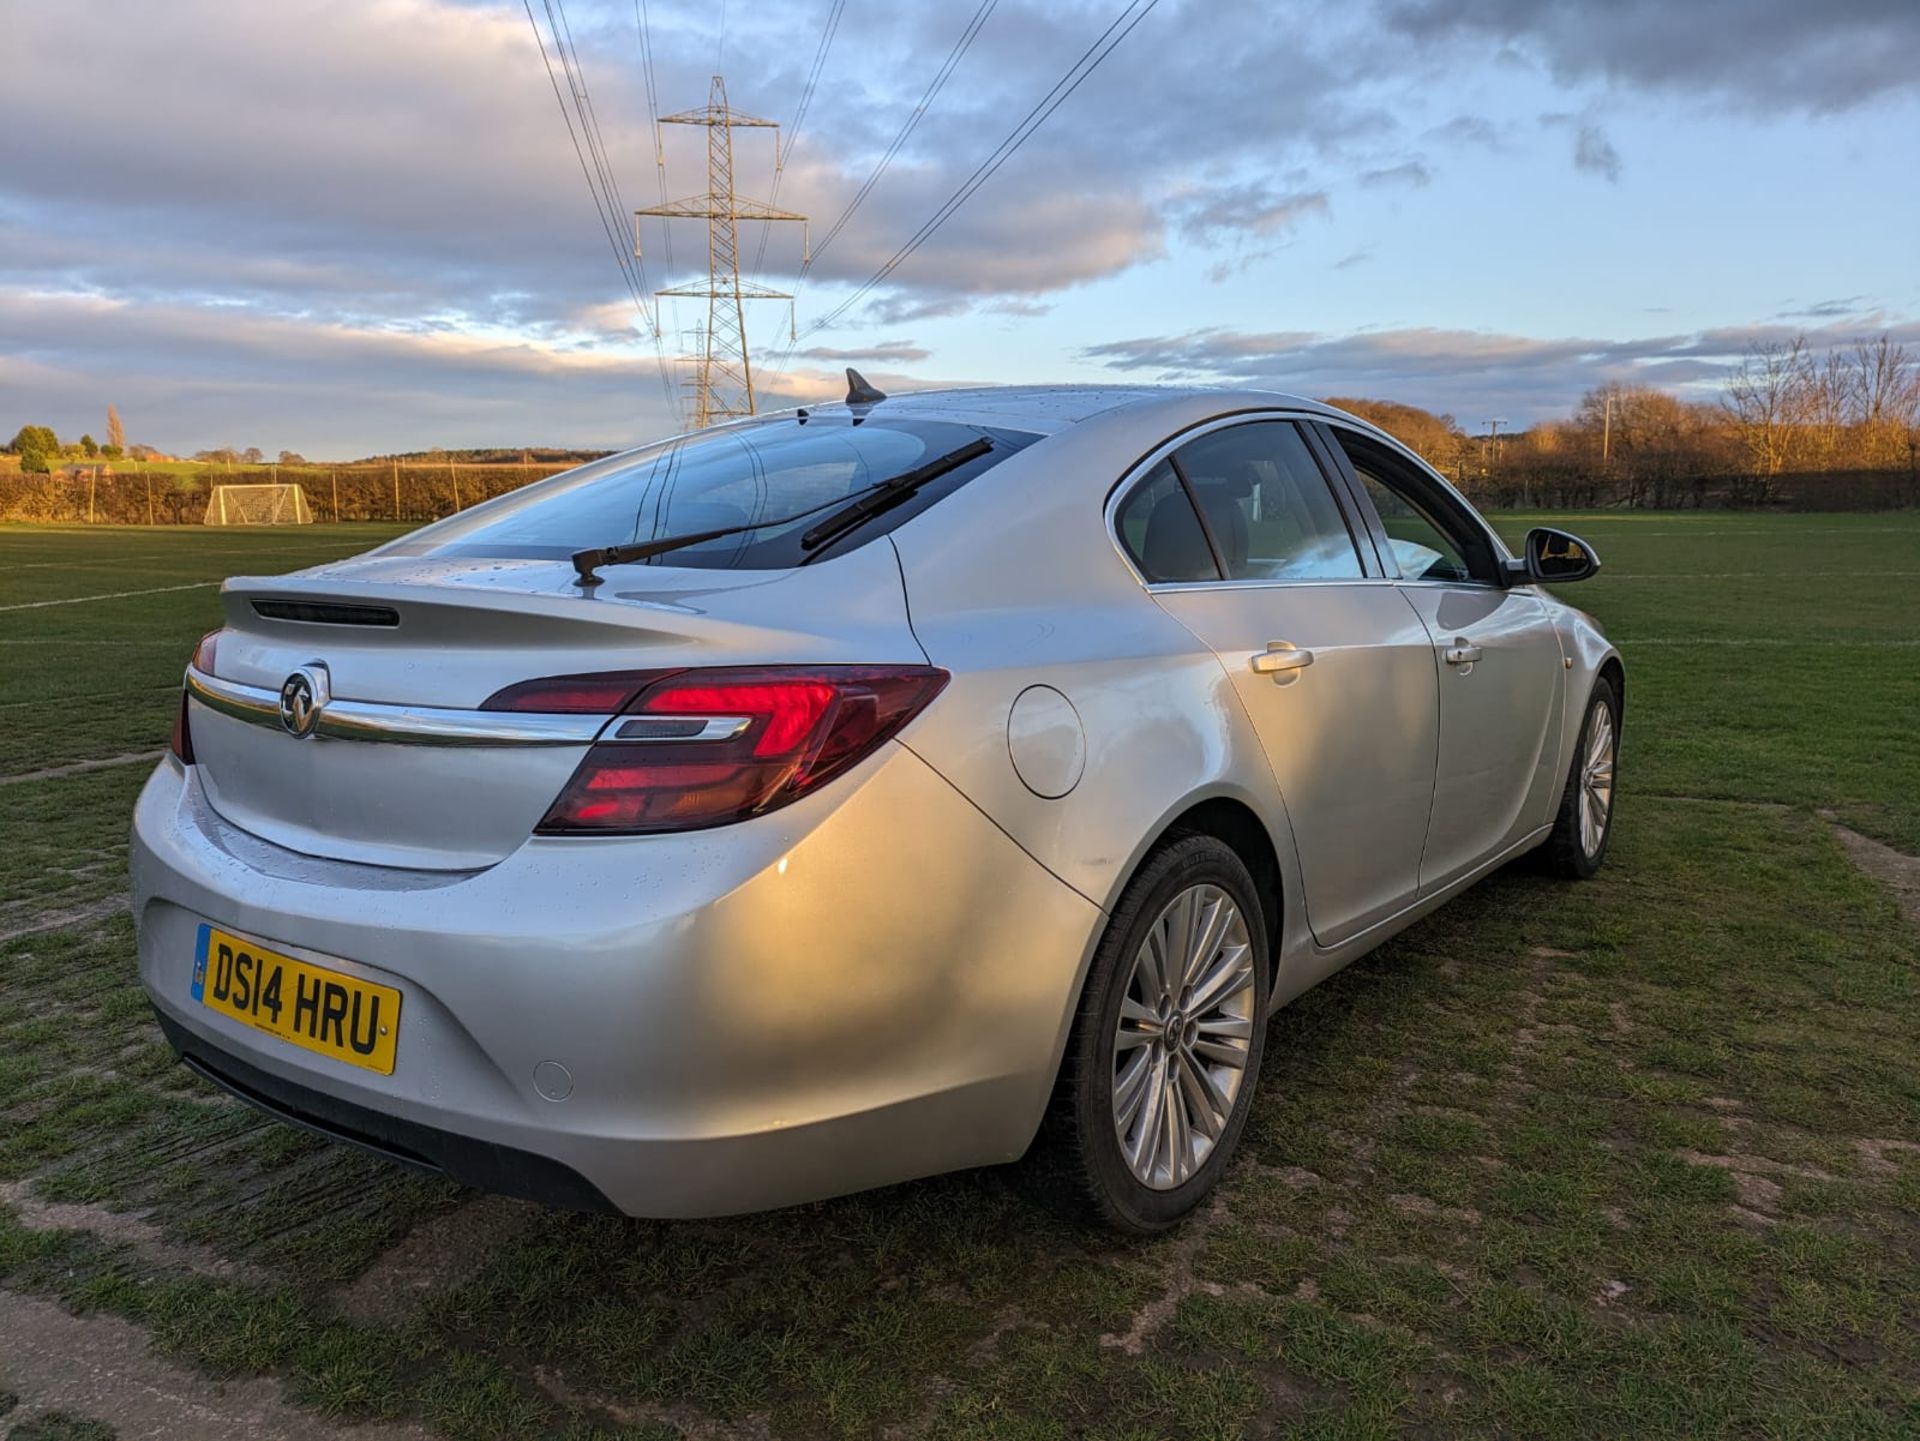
[(858, 793)]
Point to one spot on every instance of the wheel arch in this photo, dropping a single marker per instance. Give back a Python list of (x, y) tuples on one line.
[(1612, 670), (1234, 822)]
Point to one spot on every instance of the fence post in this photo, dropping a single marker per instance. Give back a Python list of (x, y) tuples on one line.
[(93, 478), (454, 470), (334, 476), (396, 490), (149, 497)]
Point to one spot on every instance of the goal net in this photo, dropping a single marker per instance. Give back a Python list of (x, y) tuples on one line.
[(258, 505)]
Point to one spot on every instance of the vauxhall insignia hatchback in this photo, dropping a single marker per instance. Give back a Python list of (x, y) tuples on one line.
[(857, 793)]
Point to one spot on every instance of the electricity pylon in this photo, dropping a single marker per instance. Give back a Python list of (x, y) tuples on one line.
[(723, 381)]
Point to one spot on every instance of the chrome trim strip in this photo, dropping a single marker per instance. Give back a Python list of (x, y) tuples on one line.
[(429, 725), (242, 702), (356, 720)]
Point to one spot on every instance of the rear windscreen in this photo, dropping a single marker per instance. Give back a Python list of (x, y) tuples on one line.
[(789, 473)]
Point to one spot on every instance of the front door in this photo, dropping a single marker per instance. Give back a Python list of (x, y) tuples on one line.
[(1332, 663), (1498, 658)]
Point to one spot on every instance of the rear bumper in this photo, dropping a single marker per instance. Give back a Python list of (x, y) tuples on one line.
[(871, 985), (442, 1153)]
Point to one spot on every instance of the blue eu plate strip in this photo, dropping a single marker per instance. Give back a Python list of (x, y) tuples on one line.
[(200, 963)]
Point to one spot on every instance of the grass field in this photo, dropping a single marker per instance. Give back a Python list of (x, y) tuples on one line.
[(1635, 1157)]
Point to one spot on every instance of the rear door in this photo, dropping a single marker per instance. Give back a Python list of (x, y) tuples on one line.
[(1498, 659), (1239, 534)]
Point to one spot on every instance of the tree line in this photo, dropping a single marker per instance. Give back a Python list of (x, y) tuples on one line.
[(1833, 429)]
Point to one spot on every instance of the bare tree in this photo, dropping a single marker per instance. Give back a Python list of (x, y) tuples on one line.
[(1885, 394), (1768, 401), (1829, 406), (116, 434)]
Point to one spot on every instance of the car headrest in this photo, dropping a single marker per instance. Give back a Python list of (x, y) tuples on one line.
[(1174, 547)]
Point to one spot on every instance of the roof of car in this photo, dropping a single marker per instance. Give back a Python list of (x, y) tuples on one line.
[(1047, 409)]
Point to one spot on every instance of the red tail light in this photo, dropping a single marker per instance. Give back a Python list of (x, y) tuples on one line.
[(203, 658), (598, 694), (707, 747)]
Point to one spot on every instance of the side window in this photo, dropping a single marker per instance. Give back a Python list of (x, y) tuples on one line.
[(1267, 505), (1160, 531), (1428, 540)]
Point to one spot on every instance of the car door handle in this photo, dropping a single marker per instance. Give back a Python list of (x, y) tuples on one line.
[(1279, 658), (1462, 652)]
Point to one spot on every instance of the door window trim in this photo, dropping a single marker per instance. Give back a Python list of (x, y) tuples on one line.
[(1433, 489), (1372, 571)]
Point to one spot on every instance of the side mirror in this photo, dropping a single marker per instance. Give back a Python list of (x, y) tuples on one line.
[(1553, 557)]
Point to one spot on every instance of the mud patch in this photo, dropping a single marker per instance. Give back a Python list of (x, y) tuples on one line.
[(1181, 1282), (1874, 1154), (129, 1228), (689, 1423), (1754, 1166), (14, 925), (1756, 1193), (1896, 870), (435, 1256), (102, 1367), (1411, 1205), (80, 768)]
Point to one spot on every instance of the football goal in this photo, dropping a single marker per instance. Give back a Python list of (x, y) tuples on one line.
[(258, 505)]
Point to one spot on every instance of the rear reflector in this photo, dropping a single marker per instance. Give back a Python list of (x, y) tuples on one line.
[(741, 743)]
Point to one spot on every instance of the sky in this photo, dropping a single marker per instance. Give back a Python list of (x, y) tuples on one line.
[(348, 227)]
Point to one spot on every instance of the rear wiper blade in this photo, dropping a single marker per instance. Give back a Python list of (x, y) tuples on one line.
[(587, 561), (890, 493), (886, 493)]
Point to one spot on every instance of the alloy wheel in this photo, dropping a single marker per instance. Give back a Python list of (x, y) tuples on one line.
[(1183, 1037), (1596, 781)]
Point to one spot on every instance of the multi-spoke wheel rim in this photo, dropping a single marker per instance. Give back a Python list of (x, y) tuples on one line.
[(1185, 1030), (1596, 781)]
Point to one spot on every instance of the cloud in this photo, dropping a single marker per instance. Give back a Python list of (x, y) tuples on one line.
[(900, 351), (1469, 130), (1407, 172), (1826, 309), (1767, 56), (187, 376), (1594, 153), (1463, 372), (1213, 216)]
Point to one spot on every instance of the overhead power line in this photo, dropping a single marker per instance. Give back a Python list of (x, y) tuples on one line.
[(634, 286), (834, 9), (1090, 60), (960, 48), (643, 25), (589, 148)]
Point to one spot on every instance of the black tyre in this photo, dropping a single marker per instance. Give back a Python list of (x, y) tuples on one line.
[(1165, 1050), (1584, 824)]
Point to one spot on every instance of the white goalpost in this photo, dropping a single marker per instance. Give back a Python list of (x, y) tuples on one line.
[(278, 504)]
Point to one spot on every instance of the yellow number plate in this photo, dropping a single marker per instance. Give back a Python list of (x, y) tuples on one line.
[(337, 1015)]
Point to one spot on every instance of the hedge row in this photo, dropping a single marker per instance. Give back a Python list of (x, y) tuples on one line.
[(411, 493)]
